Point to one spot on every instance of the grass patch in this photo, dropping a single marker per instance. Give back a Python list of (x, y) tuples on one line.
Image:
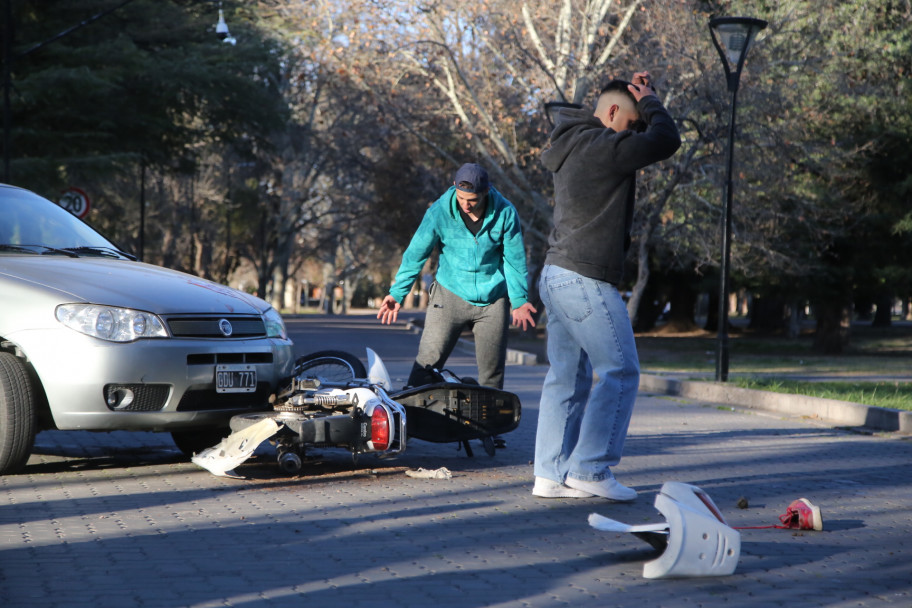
[(893, 394), (875, 370)]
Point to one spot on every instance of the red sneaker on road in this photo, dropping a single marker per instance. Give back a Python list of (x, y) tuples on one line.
[(802, 515)]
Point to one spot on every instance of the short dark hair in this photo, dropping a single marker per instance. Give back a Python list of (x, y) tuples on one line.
[(618, 86)]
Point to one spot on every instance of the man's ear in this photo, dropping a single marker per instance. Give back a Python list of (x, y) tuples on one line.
[(612, 111)]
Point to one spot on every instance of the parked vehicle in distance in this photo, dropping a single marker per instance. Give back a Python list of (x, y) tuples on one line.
[(92, 339)]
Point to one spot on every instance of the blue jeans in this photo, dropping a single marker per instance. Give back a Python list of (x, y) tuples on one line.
[(582, 425)]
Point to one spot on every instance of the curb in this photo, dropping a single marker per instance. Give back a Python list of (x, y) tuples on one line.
[(514, 357), (828, 411), (518, 357)]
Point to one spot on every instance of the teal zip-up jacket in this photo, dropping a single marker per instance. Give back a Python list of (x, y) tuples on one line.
[(479, 269)]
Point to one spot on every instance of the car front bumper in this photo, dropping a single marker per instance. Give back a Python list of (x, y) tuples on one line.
[(171, 381)]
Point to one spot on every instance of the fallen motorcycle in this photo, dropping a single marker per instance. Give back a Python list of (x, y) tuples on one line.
[(332, 400)]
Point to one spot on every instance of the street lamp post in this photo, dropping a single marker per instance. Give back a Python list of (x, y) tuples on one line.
[(7, 83), (732, 37), (141, 248)]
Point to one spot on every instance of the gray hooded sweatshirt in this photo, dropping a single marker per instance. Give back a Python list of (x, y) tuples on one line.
[(594, 171)]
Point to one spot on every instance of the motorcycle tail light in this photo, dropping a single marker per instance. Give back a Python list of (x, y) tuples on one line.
[(381, 429)]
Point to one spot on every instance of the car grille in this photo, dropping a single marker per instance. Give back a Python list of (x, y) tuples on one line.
[(209, 327), (207, 399), (216, 358), (136, 397)]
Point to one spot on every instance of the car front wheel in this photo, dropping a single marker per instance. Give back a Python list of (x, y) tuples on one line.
[(195, 441), (18, 408)]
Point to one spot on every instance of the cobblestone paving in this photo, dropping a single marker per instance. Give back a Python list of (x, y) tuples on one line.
[(121, 519)]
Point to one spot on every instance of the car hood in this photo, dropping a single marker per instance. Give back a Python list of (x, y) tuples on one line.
[(128, 284)]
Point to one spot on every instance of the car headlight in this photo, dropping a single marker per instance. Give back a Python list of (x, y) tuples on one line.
[(275, 326), (111, 323)]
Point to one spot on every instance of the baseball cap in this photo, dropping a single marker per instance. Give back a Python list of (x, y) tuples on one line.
[(472, 178)]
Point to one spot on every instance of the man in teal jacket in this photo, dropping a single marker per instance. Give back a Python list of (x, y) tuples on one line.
[(481, 277)]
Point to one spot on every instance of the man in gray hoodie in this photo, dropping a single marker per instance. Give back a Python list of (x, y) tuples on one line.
[(594, 158)]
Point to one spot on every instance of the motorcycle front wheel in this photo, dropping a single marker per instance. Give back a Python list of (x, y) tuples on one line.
[(330, 366)]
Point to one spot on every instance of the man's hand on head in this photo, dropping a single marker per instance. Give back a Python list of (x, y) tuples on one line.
[(642, 85)]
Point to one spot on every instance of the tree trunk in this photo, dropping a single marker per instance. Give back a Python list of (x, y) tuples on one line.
[(794, 327), (883, 316), (712, 311), (683, 304), (834, 323), (639, 288), (769, 314), (864, 307)]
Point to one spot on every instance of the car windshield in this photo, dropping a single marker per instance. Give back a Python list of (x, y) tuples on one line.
[(31, 224)]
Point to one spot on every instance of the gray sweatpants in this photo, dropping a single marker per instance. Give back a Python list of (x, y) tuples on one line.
[(447, 316)]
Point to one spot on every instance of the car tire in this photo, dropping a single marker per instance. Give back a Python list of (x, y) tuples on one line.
[(18, 410), (330, 366), (194, 441)]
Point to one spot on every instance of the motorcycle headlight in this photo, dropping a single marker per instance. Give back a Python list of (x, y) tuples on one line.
[(111, 323), (275, 326)]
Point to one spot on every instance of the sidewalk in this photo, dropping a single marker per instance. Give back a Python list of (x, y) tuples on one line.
[(118, 520), (864, 418)]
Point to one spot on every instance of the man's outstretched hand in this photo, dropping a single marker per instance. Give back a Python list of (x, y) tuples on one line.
[(389, 310), (522, 316)]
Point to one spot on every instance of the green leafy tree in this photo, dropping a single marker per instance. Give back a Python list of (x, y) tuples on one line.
[(132, 106), (847, 137), (822, 141), (149, 80)]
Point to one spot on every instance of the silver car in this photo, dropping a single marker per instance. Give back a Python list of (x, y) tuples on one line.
[(91, 339)]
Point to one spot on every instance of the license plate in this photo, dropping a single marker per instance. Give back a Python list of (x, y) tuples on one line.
[(235, 379)]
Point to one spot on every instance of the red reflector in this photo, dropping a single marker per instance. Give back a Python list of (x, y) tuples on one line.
[(380, 429)]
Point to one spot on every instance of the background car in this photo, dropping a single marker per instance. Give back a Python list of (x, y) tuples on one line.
[(92, 339)]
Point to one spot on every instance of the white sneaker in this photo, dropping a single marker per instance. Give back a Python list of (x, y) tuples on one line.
[(545, 488), (607, 488)]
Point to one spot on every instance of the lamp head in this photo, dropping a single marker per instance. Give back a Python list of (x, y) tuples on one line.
[(732, 37), (221, 28)]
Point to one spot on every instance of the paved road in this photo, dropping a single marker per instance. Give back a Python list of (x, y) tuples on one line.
[(120, 519)]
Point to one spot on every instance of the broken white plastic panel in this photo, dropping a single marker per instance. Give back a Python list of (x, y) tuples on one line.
[(695, 537), (237, 447), (700, 543), (377, 372), (600, 522)]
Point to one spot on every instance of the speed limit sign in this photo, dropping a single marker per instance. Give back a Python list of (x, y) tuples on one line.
[(76, 201)]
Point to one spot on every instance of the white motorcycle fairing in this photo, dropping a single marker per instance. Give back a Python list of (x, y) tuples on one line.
[(695, 541)]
